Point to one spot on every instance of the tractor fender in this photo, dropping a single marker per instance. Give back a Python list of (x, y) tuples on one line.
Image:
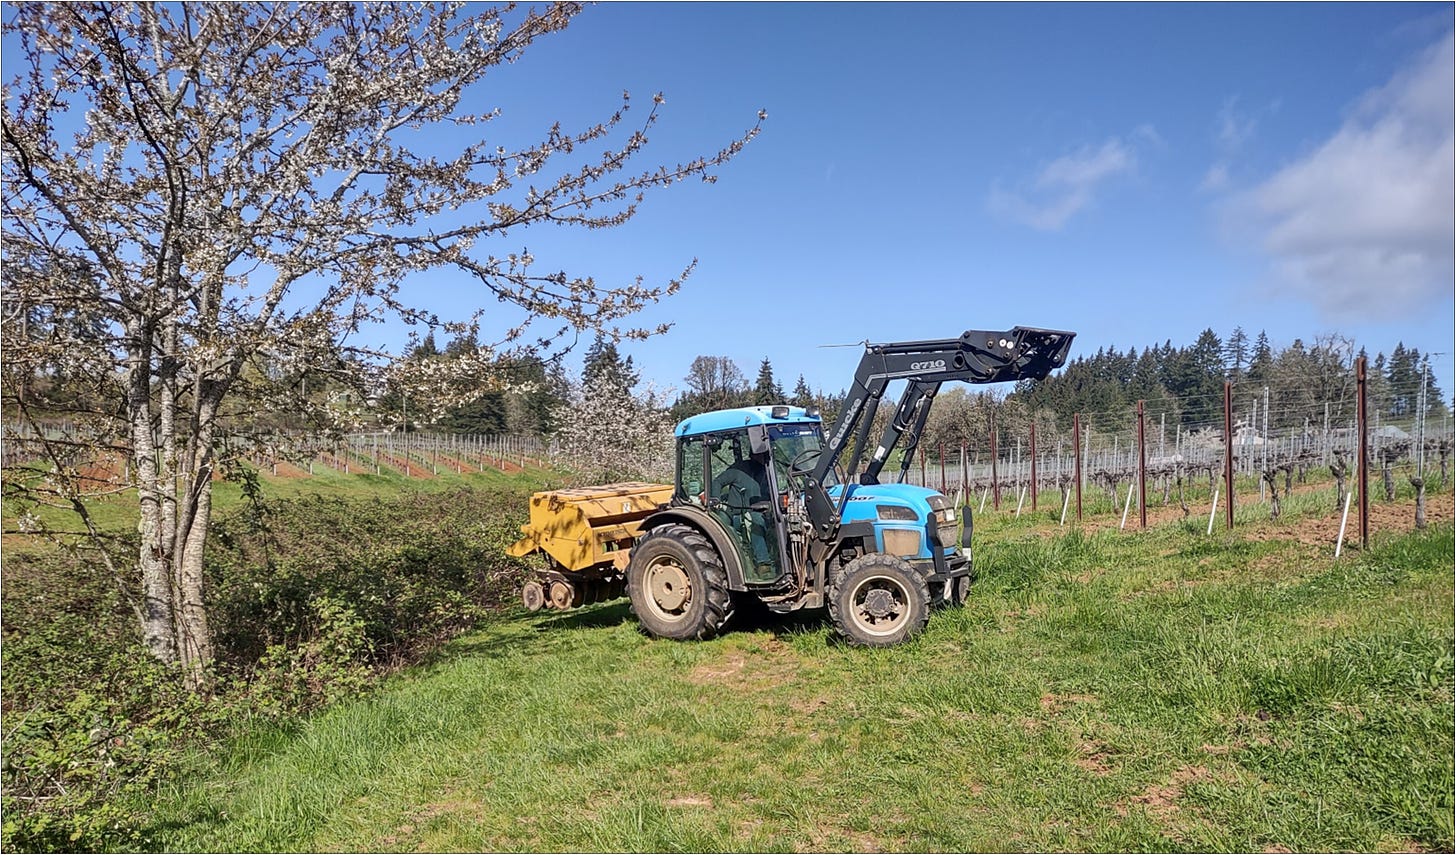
[(712, 529)]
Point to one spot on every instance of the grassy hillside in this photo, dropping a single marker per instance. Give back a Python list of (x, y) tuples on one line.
[(117, 512), (1161, 690)]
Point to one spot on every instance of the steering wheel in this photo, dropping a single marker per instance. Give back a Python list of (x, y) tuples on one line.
[(800, 464), (803, 464)]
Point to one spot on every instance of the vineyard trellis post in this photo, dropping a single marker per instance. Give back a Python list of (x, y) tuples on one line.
[(1228, 453), (1421, 425), (1033, 467), (1364, 452), (995, 481), (1325, 459), (1266, 427), (1142, 467), (1264, 443), (1077, 459)]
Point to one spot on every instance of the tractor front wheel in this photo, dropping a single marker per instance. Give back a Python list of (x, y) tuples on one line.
[(878, 600), (960, 590), (677, 584)]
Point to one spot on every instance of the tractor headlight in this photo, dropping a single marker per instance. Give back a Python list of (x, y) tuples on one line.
[(896, 512)]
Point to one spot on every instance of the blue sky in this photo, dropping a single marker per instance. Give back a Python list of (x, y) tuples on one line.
[(1134, 173)]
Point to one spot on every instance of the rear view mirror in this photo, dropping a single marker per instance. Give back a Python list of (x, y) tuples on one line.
[(758, 439)]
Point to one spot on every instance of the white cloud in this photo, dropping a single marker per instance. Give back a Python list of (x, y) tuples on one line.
[(1216, 178), (1363, 224), (1234, 128), (1067, 185)]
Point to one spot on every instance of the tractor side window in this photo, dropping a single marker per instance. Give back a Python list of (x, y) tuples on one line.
[(690, 485)]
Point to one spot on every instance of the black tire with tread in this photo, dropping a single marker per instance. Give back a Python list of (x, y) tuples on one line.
[(961, 590), (709, 605), (891, 569), (955, 597)]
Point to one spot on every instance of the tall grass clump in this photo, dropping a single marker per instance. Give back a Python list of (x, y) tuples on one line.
[(1013, 564)]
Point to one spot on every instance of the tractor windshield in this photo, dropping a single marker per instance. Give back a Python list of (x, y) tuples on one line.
[(795, 451)]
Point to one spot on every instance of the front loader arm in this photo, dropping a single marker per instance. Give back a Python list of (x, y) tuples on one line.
[(977, 356), (909, 422)]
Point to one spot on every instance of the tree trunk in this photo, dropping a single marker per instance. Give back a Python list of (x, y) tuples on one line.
[(157, 625), (1339, 469), (1388, 478), (1271, 477), (166, 376), (194, 634), (1420, 485)]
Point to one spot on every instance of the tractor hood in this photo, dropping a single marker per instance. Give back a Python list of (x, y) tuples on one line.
[(866, 501)]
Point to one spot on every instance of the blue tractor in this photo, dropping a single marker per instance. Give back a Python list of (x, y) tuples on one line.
[(767, 509)]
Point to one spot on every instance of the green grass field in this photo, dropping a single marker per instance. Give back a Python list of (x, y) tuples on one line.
[(1162, 690)]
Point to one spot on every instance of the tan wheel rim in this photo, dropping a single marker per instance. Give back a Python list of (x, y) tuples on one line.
[(668, 590), (561, 595), (879, 605)]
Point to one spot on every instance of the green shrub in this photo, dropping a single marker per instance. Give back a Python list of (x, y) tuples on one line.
[(310, 600), (403, 573), (90, 721)]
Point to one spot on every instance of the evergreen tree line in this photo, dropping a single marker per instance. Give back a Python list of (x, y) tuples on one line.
[(1304, 382)]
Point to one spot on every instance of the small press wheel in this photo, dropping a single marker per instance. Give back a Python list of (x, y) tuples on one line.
[(533, 596)]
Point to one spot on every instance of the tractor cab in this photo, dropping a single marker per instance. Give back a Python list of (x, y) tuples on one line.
[(741, 467)]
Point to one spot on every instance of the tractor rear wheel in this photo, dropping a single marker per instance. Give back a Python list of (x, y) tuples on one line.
[(878, 600), (677, 584)]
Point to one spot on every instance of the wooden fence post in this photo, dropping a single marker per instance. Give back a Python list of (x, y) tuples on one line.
[(1077, 459), (1228, 452), (1033, 467), (1364, 453), (1142, 466), (995, 481)]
